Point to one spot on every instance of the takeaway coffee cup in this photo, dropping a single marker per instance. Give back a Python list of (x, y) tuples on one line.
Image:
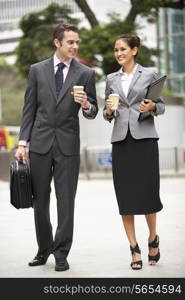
[(115, 100), (78, 89)]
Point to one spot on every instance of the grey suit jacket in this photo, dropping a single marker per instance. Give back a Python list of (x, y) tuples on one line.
[(128, 110), (45, 117)]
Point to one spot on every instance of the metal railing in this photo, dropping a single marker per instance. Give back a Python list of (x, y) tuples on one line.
[(97, 162)]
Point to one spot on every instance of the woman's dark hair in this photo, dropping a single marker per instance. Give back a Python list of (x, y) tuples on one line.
[(131, 39), (61, 28)]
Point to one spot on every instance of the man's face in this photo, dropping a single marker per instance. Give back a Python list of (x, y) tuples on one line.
[(68, 47)]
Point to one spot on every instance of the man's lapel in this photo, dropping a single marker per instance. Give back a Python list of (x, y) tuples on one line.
[(70, 78), (49, 71)]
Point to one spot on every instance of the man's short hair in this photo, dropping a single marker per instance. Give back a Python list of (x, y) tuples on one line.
[(61, 28)]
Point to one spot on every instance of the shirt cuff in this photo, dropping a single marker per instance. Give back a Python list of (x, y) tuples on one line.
[(22, 143)]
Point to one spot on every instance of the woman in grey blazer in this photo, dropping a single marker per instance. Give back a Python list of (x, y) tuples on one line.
[(135, 158)]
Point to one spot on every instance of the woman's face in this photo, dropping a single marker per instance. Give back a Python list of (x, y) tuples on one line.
[(123, 53)]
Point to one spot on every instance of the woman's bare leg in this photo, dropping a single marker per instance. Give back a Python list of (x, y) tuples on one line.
[(151, 221), (128, 222)]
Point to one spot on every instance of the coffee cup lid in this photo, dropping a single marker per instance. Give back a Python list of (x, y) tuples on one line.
[(114, 95)]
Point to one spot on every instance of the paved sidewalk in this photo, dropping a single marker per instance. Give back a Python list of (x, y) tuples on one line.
[(100, 248)]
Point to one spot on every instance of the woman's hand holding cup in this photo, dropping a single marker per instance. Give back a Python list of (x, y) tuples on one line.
[(109, 105), (112, 103)]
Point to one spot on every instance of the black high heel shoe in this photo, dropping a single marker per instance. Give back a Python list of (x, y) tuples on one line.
[(154, 244), (138, 262)]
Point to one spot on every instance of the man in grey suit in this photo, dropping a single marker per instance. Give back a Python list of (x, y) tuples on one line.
[(50, 124)]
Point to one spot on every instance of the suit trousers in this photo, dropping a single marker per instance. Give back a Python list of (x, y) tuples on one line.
[(64, 170)]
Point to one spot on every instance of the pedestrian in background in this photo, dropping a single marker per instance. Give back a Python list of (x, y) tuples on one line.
[(135, 157)]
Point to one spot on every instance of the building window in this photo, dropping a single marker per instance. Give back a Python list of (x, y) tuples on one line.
[(171, 41)]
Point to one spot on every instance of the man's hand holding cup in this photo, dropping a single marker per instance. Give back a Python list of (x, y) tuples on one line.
[(80, 96)]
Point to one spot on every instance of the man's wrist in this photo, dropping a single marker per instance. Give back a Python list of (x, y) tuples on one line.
[(22, 143)]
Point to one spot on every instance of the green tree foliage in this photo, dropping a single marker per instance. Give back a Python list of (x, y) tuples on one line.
[(100, 39), (147, 8), (12, 94), (36, 43), (97, 44)]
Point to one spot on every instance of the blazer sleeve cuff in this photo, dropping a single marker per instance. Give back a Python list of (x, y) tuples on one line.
[(107, 117)]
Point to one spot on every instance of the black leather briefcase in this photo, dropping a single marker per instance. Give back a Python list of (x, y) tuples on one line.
[(21, 195)]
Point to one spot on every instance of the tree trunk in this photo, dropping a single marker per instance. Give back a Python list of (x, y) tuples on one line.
[(83, 5), (177, 5)]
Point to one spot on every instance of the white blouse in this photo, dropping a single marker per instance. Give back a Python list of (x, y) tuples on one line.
[(126, 79)]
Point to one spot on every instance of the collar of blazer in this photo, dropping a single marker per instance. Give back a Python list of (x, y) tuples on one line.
[(136, 76), (71, 76)]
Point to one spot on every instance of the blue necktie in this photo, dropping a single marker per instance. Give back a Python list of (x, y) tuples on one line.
[(59, 78)]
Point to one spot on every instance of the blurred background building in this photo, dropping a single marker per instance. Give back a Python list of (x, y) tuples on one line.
[(168, 35), (11, 13), (171, 41)]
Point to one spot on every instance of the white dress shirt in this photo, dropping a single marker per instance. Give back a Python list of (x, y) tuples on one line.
[(65, 69)]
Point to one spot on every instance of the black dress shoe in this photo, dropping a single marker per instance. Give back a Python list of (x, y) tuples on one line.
[(39, 259), (61, 265)]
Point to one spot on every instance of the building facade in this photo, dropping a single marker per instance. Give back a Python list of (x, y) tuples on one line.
[(11, 13), (12, 10), (171, 42)]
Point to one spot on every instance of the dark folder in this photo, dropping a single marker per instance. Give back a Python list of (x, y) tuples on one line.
[(21, 195), (153, 93)]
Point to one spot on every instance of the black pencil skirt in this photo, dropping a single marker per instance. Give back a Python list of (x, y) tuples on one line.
[(135, 165)]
